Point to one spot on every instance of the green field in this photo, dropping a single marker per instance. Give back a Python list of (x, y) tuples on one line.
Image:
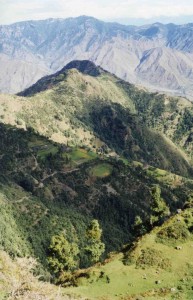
[(42, 147), (49, 150), (101, 170), (80, 155)]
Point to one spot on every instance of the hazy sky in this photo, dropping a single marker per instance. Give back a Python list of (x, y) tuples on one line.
[(125, 11)]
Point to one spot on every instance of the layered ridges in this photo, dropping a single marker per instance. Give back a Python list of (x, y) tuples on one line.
[(122, 50)]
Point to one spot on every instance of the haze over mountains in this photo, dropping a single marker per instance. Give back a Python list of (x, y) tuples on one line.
[(157, 56)]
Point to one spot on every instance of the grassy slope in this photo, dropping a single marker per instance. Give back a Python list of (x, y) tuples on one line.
[(163, 263), (54, 111), (173, 269)]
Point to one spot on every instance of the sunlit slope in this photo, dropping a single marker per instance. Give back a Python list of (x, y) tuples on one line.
[(157, 266)]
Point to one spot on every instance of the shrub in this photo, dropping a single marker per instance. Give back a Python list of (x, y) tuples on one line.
[(175, 232), (152, 258)]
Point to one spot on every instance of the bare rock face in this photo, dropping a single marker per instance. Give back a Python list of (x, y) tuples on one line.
[(167, 69), (16, 74), (157, 56)]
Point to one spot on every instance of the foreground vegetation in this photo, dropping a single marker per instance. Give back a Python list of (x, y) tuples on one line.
[(156, 266), (150, 268)]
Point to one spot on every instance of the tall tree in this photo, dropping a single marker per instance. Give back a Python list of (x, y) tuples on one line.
[(95, 247), (62, 254), (159, 208)]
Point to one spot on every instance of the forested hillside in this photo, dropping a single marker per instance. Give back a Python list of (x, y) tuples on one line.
[(88, 164)]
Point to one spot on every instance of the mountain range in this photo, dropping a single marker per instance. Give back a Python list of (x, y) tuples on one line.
[(158, 57)]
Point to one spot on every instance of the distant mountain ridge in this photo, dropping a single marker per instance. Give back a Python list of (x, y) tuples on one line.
[(157, 56)]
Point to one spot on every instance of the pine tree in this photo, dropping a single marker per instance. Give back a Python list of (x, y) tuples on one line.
[(95, 248), (159, 207), (62, 254)]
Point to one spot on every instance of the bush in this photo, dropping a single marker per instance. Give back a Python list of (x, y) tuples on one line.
[(175, 232), (152, 258)]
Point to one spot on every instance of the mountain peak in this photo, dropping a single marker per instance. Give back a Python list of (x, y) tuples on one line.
[(83, 66)]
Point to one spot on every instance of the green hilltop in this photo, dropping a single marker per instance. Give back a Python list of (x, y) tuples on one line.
[(84, 105)]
